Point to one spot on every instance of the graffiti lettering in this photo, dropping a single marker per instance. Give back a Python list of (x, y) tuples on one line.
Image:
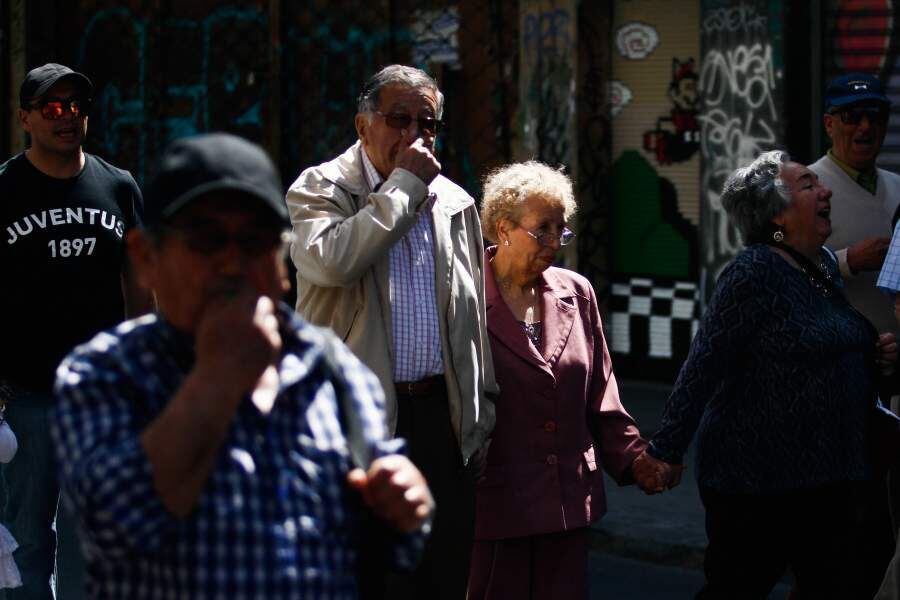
[(734, 19), (739, 87), (123, 111), (741, 74), (548, 79), (546, 33)]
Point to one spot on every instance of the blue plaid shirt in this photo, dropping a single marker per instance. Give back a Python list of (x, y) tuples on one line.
[(889, 277), (276, 518)]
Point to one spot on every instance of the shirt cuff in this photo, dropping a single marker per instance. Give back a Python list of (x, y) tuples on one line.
[(658, 453), (843, 264)]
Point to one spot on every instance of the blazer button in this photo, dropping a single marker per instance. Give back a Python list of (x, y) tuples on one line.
[(551, 459), (550, 426)]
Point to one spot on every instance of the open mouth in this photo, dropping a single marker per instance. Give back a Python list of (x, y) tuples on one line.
[(824, 213), (67, 132)]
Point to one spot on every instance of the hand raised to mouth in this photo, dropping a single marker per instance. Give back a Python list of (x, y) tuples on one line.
[(418, 160)]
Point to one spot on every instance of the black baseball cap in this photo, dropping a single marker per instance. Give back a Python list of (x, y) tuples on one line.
[(41, 79), (192, 167), (854, 87)]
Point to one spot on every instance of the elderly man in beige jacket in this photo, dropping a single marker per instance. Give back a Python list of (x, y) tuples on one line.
[(389, 254)]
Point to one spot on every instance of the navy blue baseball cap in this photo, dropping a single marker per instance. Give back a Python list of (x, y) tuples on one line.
[(854, 87), (41, 79), (195, 166)]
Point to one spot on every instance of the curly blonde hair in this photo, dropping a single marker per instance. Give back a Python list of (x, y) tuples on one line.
[(507, 188)]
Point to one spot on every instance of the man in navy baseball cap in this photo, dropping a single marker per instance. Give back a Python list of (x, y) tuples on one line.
[(863, 200)]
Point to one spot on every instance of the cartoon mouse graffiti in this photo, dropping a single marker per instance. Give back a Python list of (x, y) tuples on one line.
[(678, 145)]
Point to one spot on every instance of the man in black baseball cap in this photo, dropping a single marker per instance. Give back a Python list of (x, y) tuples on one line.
[(863, 200), (39, 80), (63, 217), (220, 461)]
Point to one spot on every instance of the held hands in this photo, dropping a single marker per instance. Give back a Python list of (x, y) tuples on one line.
[(396, 492), (418, 160), (653, 475), (867, 255), (237, 338), (886, 352)]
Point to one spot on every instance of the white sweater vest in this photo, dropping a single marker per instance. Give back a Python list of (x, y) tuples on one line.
[(855, 215)]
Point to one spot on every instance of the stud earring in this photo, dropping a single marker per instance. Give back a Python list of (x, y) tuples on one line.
[(506, 242)]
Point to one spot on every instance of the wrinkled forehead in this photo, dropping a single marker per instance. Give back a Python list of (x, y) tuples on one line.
[(398, 97)]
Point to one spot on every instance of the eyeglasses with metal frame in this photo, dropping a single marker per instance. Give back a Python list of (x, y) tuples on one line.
[(545, 238)]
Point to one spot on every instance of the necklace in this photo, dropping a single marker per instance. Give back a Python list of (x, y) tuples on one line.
[(819, 276)]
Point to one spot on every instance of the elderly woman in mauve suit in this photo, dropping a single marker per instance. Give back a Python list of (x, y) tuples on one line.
[(559, 418)]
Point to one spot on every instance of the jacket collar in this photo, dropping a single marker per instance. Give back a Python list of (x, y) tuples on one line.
[(347, 171), (558, 309)]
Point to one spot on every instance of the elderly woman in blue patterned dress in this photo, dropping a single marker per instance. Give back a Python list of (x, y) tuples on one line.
[(778, 386)]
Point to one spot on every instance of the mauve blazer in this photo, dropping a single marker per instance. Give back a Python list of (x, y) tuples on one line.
[(542, 471)]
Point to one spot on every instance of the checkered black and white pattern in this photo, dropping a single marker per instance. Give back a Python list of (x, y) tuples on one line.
[(276, 519), (653, 318)]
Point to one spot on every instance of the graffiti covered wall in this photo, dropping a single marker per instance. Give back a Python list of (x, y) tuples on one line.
[(284, 74), (655, 183), (741, 90)]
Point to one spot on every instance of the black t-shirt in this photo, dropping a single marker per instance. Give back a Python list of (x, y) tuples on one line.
[(61, 259)]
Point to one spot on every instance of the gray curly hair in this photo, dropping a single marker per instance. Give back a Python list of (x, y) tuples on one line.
[(369, 98), (507, 188), (754, 195)]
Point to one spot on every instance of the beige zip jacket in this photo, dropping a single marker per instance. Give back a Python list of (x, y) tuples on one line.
[(343, 233)]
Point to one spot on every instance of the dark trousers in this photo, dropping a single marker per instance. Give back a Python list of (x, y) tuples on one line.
[(753, 539), (442, 575)]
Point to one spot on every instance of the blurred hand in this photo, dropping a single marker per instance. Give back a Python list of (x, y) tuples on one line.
[(237, 338), (418, 160), (867, 255), (886, 352), (396, 492), (654, 475)]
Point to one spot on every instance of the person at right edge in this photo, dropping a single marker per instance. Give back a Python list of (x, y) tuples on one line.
[(780, 387), (864, 201)]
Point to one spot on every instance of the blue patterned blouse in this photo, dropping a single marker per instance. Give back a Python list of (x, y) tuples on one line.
[(775, 386)]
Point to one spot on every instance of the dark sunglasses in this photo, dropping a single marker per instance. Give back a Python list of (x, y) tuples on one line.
[(209, 241), (428, 125), (54, 109), (853, 115)]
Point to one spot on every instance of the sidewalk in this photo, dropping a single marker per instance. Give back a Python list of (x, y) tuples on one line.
[(664, 528)]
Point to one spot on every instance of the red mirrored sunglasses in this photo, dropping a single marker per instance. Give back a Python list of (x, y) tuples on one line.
[(54, 109)]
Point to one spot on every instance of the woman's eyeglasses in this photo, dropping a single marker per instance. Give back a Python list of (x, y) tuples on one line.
[(427, 125), (54, 109), (545, 238)]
